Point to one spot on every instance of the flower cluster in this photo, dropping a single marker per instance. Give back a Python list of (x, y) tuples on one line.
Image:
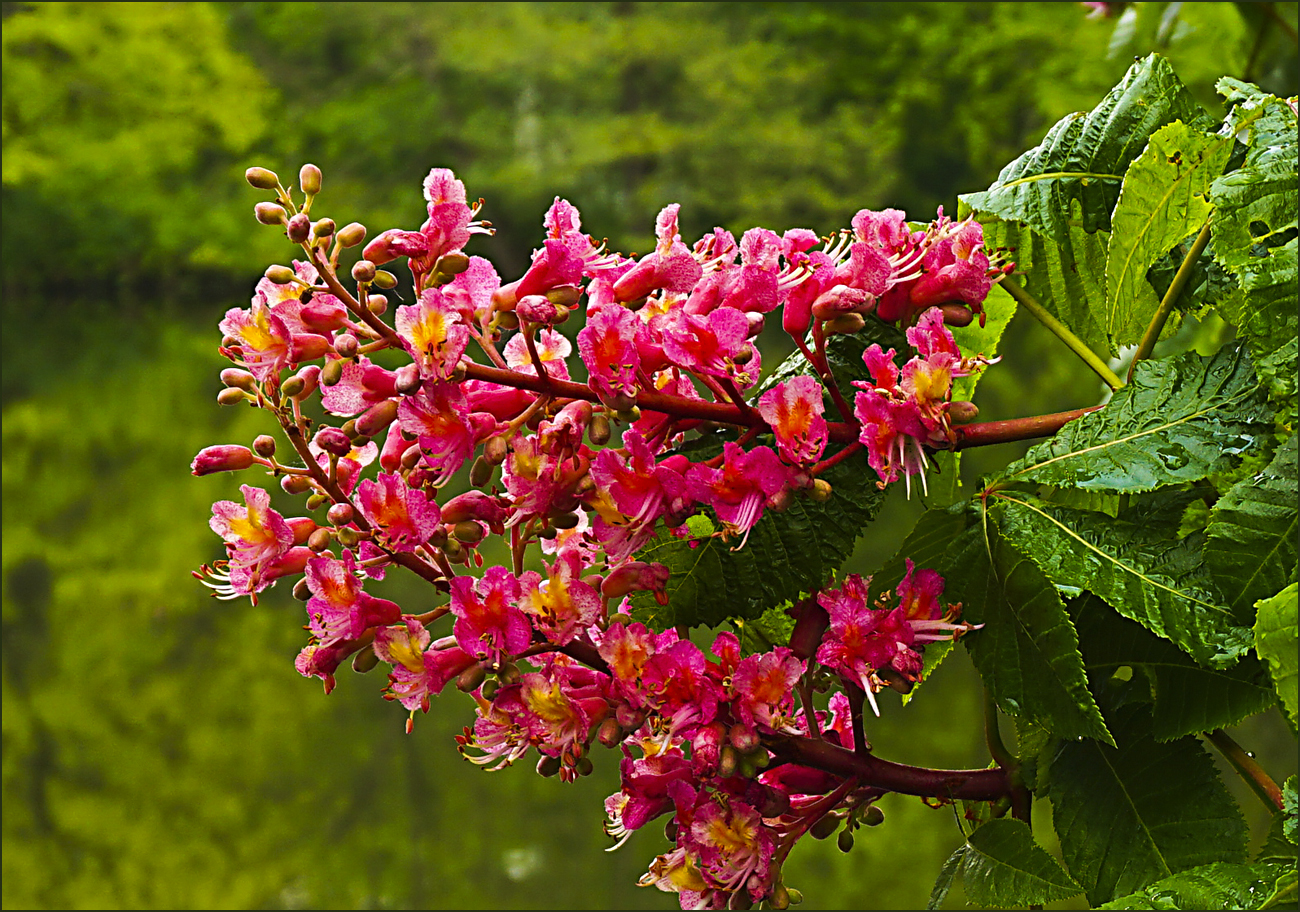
[(551, 655)]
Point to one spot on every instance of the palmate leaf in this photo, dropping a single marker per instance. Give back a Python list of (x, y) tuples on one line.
[(1084, 157), (1004, 867), (1220, 885), (1180, 419), (1161, 203), (1275, 641), (786, 553), (1251, 546), (1125, 815), (1188, 698), (1027, 652), (1068, 277), (1141, 570), (1265, 315)]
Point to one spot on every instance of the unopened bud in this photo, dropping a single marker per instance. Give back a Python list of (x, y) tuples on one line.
[(796, 896), (824, 827), (584, 766), (480, 473), (775, 803), (821, 491), (351, 234), (301, 591), (295, 484), (334, 441), (309, 179), (507, 320), (781, 501), (468, 532), (744, 356), (407, 379), (349, 427), (385, 279), (962, 412), (740, 900), (222, 458), (743, 739), (620, 618), (411, 457), (780, 897), (490, 688), (548, 766), (956, 314), (299, 228), (873, 816), (239, 379), (564, 295), (317, 500), (262, 179), (264, 445), (451, 264), (508, 674), (846, 324), (377, 417), (348, 536), (340, 514), (495, 450), (331, 373), (293, 386), (471, 678), (728, 761), (231, 396), (845, 840), (279, 275), (598, 429), (895, 679), (628, 416), (364, 661), (320, 540), (363, 271), (454, 550), (565, 520), (377, 304), (610, 733), (324, 228)]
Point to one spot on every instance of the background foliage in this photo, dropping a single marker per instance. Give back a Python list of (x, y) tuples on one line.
[(159, 749)]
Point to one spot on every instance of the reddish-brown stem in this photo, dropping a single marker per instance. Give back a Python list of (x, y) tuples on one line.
[(834, 460), (967, 785), (532, 353), (857, 700), (816, 812), (1259, 781), (990, 432), (828, 378)]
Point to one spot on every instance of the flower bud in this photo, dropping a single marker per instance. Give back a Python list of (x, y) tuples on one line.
[(348, 536), (775, 803), (508, 674), (839, 300), (845, 840), (323, 229), (385, 279), (584, 766), (351, 234), (744, 356), (610, 732), (307, 347), (309, 179), (564, 295), (846, 324), (317, 500), (548, 766), (231, 396), (262, 179), (820, 492), (495, 450), (363, 271), (728, 762), (743, 739), (490, 688), (631, 719), (364, 661), (264, 445), (340, 514), (333, 441), (407, 379), (962, 412), (873, 816), (301, 591), (780, 897), (507, 320), (331, 373), (310, 377), (299, 227), (598, 430), (239, 379), (756, 323), (451, 264), (480, 473), (468, 532), (377, 304), (629, 416), (346, 345), (471, 678), (227, 458), (956, 314), (796, 896), (824, 827), (454, 550), (279, 275), (377, 417), (740, 900), (411, 457), (295, 484), (320, 540)]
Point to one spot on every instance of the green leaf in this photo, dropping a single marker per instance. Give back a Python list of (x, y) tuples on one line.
[(844, 355), (1290, 809), (1067, 277), (1144, 573), (1251, 547), (1003, 866), (1220, 885), (1275, 641), (1161, 203), (786, 553), (1265, 315), (1027, 652), (943, 883), (1280, 844), (1189, 698), (1084, 157), (772, 628), (1035, 747), (1126, 815), (1180, 419), (976, 339)]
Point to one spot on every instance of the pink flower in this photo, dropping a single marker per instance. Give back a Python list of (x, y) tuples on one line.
[(552, 350), (227, 458), (861, 640), (264, 341), (363, 384), (405, 517), (705, 344), (670, 267), (439, 417), (432, 331), (560, 604), (339, 608), (644, 794), (740, 489), (764, 686), (955, 268), (255, 536), (794, 411), (607, 345), (489, 623)]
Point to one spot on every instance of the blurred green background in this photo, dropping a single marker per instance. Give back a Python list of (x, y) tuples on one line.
[(159, 750)]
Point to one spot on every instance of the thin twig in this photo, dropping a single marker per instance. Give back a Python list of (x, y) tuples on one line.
[(1149, 338), (1062, 332)]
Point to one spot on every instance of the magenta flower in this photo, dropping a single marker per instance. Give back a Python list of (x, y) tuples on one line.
[(433, 332), (255, 536), (644, 794), (670, 267), (439, 417), (607, 345), (764, 687), (489, 623), (560, 604), (264, 342), (955, 268), (794, 411), (552, 350), (706, 344), (404, 516), (861, 640), (225, 458), (363, 384), (740, 489), (339, 608)]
